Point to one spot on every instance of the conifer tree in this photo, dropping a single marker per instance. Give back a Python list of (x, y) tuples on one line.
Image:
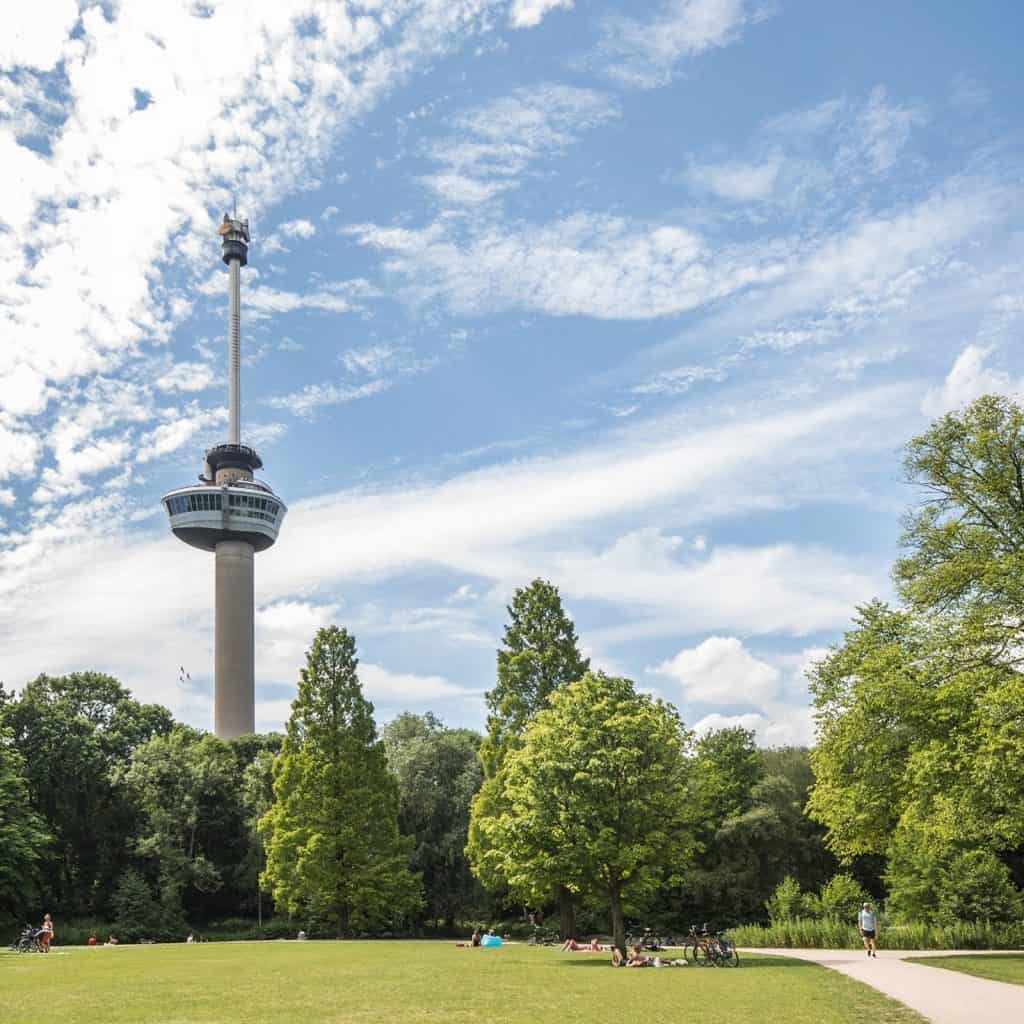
[(332, 842), (539, 656)]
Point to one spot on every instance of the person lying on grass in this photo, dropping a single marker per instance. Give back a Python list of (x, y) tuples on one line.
[(637, 959), (572, 946)]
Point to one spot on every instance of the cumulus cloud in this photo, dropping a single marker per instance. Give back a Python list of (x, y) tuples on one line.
[(969, 378), (721, 671), (35, 35)]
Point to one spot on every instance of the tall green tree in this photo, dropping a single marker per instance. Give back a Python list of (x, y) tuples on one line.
[(23, 837), (751, 824), (332, 840), (598, 798), (191, 832), (72, 731), (965, 539), (920, 703), (539, 655), (438, 772)]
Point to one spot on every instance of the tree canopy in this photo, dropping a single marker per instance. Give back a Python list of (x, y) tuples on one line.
[(438, 772)]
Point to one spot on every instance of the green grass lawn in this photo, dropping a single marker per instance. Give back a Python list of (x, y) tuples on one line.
[(996, 966), (411, 982)]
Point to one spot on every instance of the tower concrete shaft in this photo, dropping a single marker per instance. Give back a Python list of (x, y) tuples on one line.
[(234, 684)]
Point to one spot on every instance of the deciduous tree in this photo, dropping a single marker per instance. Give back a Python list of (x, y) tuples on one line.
[(438, 772), (23, 837), (598, 797)]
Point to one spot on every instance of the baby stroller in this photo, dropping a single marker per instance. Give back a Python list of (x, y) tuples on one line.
[(28, 940)]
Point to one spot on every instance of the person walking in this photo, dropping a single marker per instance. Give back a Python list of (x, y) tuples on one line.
[(868, 924)]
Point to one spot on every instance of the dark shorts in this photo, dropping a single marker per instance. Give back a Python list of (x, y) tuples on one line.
[(868, 934)]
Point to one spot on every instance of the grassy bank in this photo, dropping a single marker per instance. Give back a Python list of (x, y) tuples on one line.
[(1009, 967)]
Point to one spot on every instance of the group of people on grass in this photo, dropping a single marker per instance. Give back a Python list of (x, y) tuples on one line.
[(477, 939), (867, 925)]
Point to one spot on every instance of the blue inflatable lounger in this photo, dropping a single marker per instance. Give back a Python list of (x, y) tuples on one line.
[(491, 940)]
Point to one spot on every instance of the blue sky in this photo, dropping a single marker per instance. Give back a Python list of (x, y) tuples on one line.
[(643, 298)]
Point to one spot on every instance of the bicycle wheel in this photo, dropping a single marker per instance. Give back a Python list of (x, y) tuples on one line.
[(703, 957), (728, 957)]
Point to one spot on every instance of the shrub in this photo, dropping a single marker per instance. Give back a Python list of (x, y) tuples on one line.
[(950, 885), (138, 915), (786, 903), (978, 888), (841, 897)]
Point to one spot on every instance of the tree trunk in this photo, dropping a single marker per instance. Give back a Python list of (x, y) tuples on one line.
[(618, 920), (566, 915)]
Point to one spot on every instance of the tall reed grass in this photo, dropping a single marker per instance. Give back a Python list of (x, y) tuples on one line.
[(830, 933)]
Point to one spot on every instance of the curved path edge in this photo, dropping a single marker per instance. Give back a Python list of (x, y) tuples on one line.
[(944, 997)]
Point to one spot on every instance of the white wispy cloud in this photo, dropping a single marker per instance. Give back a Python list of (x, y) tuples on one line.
[(307, 400), (592, 264), (93, 583), (644, 52), (297, 228), (494, 144), (528, 13), (812, 156)]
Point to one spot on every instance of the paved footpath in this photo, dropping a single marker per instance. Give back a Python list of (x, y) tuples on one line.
[(944, 997)]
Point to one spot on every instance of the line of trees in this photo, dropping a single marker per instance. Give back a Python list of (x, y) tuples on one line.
[(110, 810)]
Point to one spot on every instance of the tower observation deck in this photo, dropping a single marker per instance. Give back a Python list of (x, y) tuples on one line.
[(233, 514)]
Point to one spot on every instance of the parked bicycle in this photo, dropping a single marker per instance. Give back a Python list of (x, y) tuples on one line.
[(711, 949), (648, 940), (543, 938)]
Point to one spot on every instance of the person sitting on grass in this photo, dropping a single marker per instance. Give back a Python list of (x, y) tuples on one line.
[(92, 940), (474, 941), (636, 958), (112, 941)]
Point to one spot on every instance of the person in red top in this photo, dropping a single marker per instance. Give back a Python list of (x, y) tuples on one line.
[(92, 940)]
